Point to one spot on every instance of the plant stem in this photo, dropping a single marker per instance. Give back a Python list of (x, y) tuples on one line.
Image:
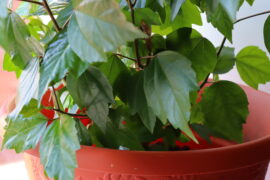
[(34, 2), (135, 60), (251, 16), (218, 54), (47, 7), (70, 114), (55, 99), (131, 6)]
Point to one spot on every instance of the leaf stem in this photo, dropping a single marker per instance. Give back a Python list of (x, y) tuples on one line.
[(70, 114), (32, 1), (48, 9), (132, 59), (55, 99), (218, 54), (131, 6)]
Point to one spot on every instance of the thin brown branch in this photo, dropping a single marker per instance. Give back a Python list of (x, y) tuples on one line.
[(70, 114), (47, 8), (55, 98), (251, 16), (132, 59), (33, 2), (148, 57), (136, 45)]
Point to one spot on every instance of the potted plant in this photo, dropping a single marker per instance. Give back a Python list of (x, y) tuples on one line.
[(133, 76)]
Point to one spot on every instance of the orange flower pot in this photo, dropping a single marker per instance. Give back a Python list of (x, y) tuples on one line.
[(246, 161)]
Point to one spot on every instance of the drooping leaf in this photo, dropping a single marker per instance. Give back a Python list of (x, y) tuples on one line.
[(175, 6), (221, 20), (226, 61), (167, 84), (228, 112), (103, 27), (203, 57), (58, 149), (266, 32), (58, 60), (250, 2), (16, 40), (138, 103), (188, 15), (83, 133), (23, 133), (28, 86), (253, 66), (92, 91)]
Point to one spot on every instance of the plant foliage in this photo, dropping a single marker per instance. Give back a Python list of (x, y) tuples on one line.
[(123, 74)]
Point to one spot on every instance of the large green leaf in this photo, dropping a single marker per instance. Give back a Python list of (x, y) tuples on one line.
[(92, 91), (23, 133), (167, 84), (102, 26), (188, 15), (253, 66), (266, 32), (58, 149), (28, 86), (58, 60), (138, 102), (144, 15), (203, 57), (226, 61), (225, 108), (16, 40)]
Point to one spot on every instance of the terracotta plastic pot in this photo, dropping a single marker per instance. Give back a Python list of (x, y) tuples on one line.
[(247, 161)]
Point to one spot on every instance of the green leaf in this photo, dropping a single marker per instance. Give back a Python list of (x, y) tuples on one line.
[(103, 27), (30, 109), (28, 86), (253, 66), (138, 103), (9, 66), (203, 57), (83, 133), (230, 105), (58, 149), (175, 6), (231, 7), (250, 2), (3, 8), (23, 133), (16, 40), (92, 91), (144, 15), (197, 116), (266, 33), (58, 60), (188, 15), (113, 69), (167, 84), (222, 21), (226, 61)]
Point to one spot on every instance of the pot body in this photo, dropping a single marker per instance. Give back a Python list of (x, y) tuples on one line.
[(246, 161)]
